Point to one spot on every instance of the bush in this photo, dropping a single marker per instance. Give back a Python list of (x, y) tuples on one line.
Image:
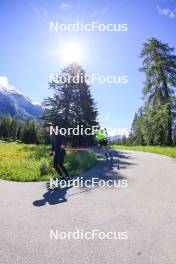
[(44, 167)]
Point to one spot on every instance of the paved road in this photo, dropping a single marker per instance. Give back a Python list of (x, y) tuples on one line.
[(145, 210)]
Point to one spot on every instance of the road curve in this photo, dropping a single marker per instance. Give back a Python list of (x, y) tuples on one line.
[(145, 210)]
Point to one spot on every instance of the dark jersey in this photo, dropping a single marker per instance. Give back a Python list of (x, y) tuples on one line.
[(57, 141)]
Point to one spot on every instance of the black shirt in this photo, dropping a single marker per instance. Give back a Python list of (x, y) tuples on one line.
[(57, 141)]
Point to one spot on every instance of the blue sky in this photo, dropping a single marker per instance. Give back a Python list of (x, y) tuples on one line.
[(28, 50)]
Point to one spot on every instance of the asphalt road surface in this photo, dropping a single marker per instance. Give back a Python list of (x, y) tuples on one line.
[(145, 211)]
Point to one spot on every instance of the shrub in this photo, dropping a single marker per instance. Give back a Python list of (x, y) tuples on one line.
[(44, 167)]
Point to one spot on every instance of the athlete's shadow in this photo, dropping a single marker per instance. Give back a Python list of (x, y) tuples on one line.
[(53, 197), (105, 170)]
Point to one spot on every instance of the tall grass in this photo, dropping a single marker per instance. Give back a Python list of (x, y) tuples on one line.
[(19, 162)]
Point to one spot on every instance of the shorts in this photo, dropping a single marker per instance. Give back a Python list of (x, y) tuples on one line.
[(103, 142)]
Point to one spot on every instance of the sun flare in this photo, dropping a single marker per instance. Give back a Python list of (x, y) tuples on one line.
[(72, 52)]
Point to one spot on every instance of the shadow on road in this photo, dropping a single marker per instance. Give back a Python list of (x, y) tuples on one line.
[(104, 170), (123, 158), (52, 197)]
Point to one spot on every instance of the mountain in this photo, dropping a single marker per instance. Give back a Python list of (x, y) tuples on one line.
[(15, 104)]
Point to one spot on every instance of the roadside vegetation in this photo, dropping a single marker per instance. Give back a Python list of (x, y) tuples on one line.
[(167, 151), (20, 162)]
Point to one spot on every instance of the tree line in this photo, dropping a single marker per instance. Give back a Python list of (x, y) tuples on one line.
[(29, 132)]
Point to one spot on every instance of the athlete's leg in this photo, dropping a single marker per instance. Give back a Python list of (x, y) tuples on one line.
[(107, 149), (63, 169), (61, 164), (58, 163), (104, 151)]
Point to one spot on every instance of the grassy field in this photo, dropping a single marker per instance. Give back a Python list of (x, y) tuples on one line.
[(167, 151), (19, 162)]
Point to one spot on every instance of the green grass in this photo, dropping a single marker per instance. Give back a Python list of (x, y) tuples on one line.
[(167, 151), (19, 162)]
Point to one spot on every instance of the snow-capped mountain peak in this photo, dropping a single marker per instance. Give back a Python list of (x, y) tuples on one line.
[(15, 104), (6, 87)]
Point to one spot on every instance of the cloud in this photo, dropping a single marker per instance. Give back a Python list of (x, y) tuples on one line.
[(65, 6), (36, 103), (166, 12), (4, 84)]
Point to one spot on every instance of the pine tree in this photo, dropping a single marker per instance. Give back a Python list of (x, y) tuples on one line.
[(14, 126), (5, 127), (29, 133), (72, 103), (159, 66)]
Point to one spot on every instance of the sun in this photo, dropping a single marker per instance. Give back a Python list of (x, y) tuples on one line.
[(72, 52)]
